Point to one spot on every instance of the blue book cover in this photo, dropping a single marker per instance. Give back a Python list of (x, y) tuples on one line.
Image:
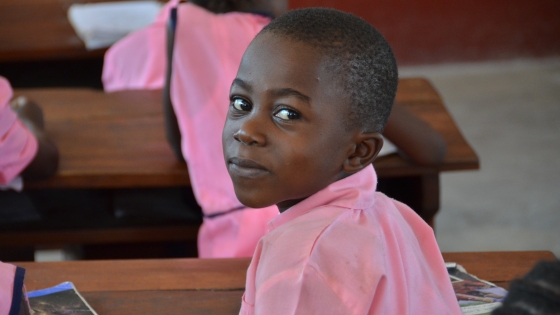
[(60, 299)]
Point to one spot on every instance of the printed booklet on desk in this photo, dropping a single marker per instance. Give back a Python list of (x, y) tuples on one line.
[(475, 296), (60, 299)]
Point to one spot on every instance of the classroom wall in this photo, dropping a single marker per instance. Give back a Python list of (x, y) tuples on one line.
[(440, 31)]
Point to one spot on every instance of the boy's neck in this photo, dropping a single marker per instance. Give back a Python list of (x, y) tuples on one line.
[(287, 204)]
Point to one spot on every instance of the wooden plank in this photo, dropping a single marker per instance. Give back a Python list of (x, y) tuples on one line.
[(38, 30), (211, 286), (33, 30), (108, 140), (229, 274), (165, 302), (498, 267), (140, 275)]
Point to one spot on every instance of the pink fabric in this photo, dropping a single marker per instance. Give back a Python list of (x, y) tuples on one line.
[(18, 145), (207, 52), (137, 62), (349, 250), (7, 274)]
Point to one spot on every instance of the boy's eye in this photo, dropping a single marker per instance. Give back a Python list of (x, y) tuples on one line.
[(286, 114), (241, 104)]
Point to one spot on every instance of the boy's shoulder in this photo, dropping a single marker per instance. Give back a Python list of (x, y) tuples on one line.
[(328, 231), (333, 232)]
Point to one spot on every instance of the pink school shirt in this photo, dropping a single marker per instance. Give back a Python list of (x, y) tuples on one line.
[(137, 62), (349, 250), (18, 145), (11, 286), (207, 52)]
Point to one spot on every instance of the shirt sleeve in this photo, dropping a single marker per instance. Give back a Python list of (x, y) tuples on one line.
[(344, 274), (293, 293), (18, 146), (11, 288), (138, 61)]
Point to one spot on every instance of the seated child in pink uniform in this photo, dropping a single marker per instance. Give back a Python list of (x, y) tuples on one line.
[(24, 147), (206, 54), (311, 96)]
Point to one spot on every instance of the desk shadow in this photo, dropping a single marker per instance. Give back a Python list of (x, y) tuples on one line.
[(105, 223)]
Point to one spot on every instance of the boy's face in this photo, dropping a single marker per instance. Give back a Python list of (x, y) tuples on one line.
[(284, 137)]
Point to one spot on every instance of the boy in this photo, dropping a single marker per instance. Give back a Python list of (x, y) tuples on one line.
[(311, 96)]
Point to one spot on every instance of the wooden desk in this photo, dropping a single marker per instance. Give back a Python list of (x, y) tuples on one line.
[(114, 140), (117, 140), (39, 48), (211, 286), (39, 30)]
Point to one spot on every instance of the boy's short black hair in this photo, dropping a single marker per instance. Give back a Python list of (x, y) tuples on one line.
[(357, 54)]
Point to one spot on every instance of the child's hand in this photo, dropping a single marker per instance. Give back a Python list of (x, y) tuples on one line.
[(29, 113), (45, 162)]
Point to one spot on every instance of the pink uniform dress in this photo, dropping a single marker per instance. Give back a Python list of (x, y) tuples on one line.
[(349, 250), (18, 145), (207, 51), (11, 288)]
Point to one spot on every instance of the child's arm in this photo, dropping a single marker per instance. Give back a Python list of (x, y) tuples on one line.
[(45, 162), (414, 138)]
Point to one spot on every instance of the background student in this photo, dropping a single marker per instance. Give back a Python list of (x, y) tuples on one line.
[(210, 39), (206, 53), (25, 148)]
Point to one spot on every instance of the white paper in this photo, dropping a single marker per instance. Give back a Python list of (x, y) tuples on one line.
[(100, 25), (16, 184), (387, 148)]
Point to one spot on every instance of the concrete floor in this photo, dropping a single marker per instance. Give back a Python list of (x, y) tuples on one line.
[(510, 114)]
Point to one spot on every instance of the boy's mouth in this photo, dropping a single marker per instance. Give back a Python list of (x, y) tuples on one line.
[(245, 168)]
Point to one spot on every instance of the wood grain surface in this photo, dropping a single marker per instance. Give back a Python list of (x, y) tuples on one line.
[(111, 140), (229, 273), (140, 275), (499, 267), (35, 30), (38, 30), (108, 140), (212, 286)]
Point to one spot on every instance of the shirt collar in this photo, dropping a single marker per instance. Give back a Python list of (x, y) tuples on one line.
[(356, 191)]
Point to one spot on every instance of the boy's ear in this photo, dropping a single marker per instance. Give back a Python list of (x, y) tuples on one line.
[(367, 146)]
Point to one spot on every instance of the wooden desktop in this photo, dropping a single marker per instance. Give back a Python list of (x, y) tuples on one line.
[(212, 286), (32, 30)]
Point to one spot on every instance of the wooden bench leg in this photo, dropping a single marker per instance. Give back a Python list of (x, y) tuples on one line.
[(430, 194)]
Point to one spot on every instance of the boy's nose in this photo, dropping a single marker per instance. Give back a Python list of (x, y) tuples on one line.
[(249, 133)]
